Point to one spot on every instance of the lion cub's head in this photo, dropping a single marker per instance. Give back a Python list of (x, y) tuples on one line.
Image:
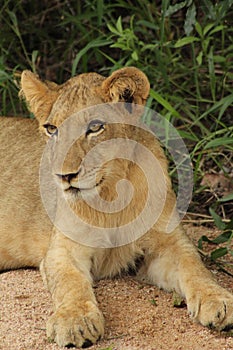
[(54, 105)]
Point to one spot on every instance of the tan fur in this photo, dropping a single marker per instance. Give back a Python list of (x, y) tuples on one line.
[(27, 237)]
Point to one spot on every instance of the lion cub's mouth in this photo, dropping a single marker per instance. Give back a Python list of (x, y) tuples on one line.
[(73, 190), (82, 190)]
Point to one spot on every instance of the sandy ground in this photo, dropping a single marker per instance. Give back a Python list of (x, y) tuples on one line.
[(137, 316)]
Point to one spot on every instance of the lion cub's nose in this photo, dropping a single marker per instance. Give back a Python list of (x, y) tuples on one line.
[(67, 177)]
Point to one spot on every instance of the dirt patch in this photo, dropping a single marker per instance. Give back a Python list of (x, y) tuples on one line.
[(136, 316)]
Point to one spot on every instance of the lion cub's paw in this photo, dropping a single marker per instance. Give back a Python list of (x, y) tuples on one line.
[(80, 327), (213, 308)]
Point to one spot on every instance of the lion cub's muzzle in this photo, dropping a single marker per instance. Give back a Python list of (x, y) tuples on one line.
[(68, 180), (76, 182)]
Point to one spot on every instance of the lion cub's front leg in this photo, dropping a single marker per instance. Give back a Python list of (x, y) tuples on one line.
[(66, 271), (176, 265)]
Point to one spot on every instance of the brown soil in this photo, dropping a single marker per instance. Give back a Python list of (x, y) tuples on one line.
[(138, 317)]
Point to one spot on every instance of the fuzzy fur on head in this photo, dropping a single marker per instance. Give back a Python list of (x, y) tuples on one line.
[(125, 85)]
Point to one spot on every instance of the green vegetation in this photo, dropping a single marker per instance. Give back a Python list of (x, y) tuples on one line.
[(224, 240), (184, 47)]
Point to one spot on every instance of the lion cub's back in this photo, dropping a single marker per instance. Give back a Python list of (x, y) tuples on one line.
[(24, 226)]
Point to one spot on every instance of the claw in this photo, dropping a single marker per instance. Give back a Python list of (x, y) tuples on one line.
[(228, 328), (87, 344)]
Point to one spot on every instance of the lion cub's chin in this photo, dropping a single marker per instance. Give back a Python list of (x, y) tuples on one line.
[(74, 194)]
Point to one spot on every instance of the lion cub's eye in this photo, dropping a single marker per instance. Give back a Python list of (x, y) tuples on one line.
[(95, 127), (50, 129)]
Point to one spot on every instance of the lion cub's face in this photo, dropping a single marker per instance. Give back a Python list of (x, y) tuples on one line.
[(81, 123)]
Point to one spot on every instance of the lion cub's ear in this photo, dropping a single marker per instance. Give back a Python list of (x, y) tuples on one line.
[(126, 85), (38, 95)]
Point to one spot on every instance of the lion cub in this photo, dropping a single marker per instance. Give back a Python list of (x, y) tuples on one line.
[(92, 184)]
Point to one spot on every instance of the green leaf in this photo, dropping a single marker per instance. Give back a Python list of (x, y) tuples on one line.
[(199, 58), (190, 19), (94, 43), (148, 24), (218, 253), (228, 100), (112, 29), (224, 237), (220, 141), (149, 47), (219, 59), (14, 21), (174, 8), (212, 73), (119, 25), (199, 29), (120, 45), (222, 105), (229, 226), (188, 135), (185, 41), (164, 103), (134, 56), (227, 198), (217, 29), (209, 9), (207, 28), (100, 11), (217, 219)]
